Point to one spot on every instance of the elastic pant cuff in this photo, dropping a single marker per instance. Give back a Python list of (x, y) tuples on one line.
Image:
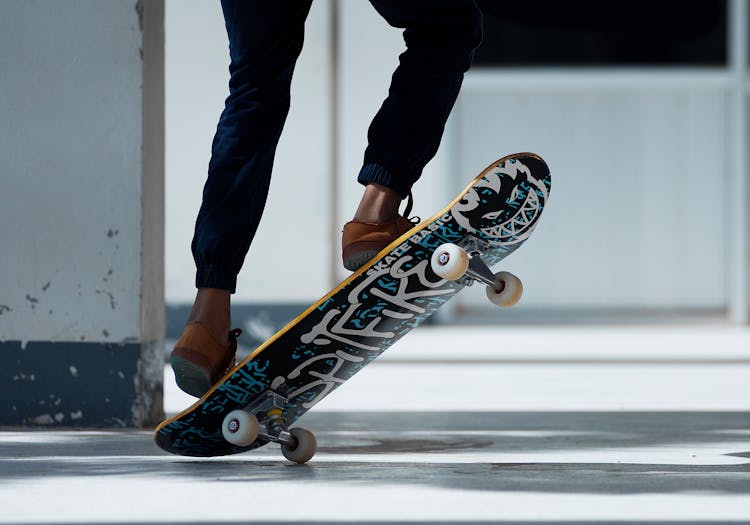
[(212, 277), (376, 173)]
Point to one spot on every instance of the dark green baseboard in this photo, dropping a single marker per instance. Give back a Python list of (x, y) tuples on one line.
[(84, 384)]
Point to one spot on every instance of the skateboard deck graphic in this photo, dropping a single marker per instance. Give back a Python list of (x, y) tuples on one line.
[(368, 312)]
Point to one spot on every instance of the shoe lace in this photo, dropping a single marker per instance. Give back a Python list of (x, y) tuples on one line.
[(407, 211), (233, 343)]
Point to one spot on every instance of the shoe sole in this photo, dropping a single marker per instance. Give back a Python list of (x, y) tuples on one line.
[(359, 253), (358, 260), (190, 378)]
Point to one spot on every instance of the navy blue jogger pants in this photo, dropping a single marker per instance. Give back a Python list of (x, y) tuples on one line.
[(265, 39)]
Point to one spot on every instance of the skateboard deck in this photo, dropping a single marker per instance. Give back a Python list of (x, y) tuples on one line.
[(368, 312)]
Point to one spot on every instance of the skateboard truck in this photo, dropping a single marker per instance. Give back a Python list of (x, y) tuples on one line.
[(462, 262), (264, 418), (477, 269), (271, 421)]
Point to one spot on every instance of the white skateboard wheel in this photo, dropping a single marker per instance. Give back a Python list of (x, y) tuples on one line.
[(449, 261), (506, 291), (305, 447), (240, 428)]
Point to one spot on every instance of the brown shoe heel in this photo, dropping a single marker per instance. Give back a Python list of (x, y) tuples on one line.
[(361, 240), (199, 361)]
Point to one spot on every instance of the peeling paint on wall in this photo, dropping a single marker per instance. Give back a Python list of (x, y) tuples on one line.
[(81, 384), (139, 8), (33, 301)]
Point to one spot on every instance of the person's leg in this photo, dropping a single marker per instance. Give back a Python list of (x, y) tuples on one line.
[(265, 39), (440, 36)]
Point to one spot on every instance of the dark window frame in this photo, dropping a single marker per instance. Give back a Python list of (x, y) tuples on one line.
[(589, 33)]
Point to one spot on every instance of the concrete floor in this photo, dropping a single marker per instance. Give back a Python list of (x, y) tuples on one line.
[(567, 425)]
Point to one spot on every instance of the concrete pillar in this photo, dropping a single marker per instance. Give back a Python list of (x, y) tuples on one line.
[(81, 212)]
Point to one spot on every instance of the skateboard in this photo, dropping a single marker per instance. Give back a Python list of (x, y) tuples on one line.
[(258, 400)]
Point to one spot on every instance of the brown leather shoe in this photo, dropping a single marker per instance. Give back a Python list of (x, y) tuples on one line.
[(199, 360), (362, 240)]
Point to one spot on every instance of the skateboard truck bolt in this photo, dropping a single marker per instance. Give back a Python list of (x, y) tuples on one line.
[(276, 422)]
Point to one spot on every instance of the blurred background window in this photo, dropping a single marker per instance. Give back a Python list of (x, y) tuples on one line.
[(597, 33)]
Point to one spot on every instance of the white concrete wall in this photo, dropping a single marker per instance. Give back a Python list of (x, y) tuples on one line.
[(638, 210), (70, 171)]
